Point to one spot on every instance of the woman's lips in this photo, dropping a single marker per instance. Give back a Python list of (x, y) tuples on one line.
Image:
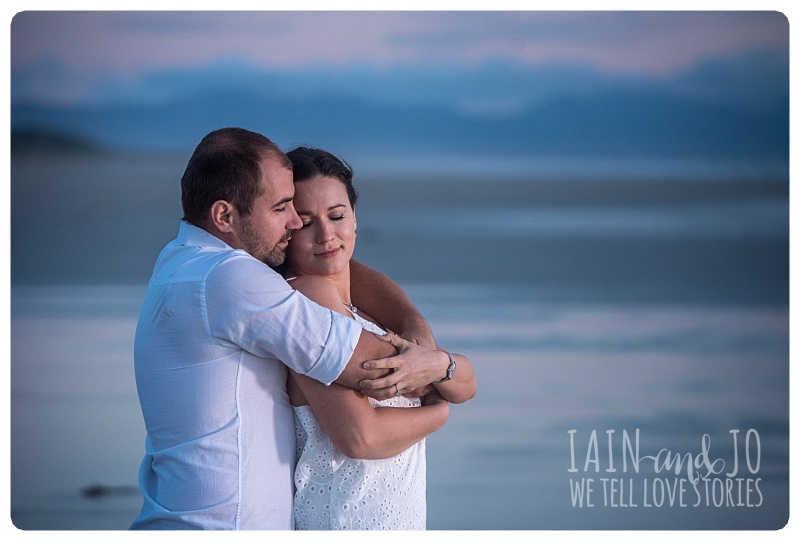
[(329, 253)]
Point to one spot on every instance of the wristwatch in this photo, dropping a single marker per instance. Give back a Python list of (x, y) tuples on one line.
[(451, 369)]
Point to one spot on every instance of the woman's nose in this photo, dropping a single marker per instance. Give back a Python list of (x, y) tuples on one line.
[(324, 232)]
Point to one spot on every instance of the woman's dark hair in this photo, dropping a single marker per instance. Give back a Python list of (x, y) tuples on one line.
[(226, 165), (309, 162)]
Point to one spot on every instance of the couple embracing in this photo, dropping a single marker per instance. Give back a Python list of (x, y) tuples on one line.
[(283, 384)]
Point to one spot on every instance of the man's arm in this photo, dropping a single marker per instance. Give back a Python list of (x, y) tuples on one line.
[(379, 296), (415, 367), (392, 304), (459, 388), (421, 366), (462, 386)]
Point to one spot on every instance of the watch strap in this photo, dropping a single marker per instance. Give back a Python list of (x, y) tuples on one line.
[(451, 369)]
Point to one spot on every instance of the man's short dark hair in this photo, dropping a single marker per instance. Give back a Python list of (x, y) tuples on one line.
[(226, 165)]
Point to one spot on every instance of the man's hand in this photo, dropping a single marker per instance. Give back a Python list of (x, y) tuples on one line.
[(413, 368), (420, 336)]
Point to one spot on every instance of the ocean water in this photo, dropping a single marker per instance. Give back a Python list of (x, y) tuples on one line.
[(629, 337), (672, 372)]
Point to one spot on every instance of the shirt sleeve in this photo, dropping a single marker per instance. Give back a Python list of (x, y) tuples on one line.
[(250, 306)]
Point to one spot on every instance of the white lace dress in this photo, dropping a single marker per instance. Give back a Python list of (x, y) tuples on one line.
[(334, 492)]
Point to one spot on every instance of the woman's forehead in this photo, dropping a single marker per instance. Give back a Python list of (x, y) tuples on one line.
[(319, 190)]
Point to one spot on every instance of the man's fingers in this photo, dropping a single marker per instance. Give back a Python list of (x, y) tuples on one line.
[(382, 394), (377, 384), (397, 341), (388, 337), (379, 392), (389, 363)]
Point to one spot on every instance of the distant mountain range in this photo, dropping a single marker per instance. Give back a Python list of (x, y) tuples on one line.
[(714, 118), (27, 141)]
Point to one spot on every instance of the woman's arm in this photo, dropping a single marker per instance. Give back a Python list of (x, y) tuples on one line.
[(360, 431), (379, 296), (353, 425)]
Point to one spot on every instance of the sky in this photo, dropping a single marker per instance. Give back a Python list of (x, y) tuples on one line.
[(69, 55)]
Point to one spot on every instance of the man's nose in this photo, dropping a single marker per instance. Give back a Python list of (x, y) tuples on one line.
[(294, 220)]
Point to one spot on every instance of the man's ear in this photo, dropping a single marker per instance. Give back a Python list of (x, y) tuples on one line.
[(221, 216)]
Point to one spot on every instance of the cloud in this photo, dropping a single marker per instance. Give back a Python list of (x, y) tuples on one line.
[(607, 82), (126, 43)]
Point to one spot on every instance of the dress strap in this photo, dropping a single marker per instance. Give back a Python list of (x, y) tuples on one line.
[(365, 323)]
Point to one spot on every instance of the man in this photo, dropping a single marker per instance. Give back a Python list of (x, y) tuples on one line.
[(216, 333)]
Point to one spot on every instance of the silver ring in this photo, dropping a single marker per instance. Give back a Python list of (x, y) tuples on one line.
[(397, 390)]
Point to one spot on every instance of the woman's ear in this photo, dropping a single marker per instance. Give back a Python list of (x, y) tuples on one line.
[(221, 216)]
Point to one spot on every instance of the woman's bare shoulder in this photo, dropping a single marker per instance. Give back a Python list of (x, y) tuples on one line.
[(320, 290), (310, 282)]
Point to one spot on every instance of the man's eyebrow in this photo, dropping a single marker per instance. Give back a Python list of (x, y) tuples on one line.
[(283, 201)]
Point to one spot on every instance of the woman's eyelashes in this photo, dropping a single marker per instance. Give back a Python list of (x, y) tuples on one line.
[(332, 218)]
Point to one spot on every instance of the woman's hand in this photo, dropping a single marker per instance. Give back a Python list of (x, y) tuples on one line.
[(433, 398), (419, 393), (413, 368)]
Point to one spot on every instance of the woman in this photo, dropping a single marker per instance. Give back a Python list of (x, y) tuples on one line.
[(361, 462)]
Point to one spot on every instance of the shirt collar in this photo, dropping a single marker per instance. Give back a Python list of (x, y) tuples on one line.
[(191, 235)]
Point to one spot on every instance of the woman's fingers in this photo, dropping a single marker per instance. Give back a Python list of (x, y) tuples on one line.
[(418, 393)]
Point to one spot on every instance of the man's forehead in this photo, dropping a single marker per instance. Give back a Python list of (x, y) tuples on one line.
[(276, 180)]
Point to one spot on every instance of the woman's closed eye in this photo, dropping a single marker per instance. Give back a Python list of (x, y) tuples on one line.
[(334, 218)]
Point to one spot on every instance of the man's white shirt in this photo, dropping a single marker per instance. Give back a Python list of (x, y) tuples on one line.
[(216, 332)]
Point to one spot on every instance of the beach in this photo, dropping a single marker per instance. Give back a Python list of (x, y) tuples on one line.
[(598, 313)]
